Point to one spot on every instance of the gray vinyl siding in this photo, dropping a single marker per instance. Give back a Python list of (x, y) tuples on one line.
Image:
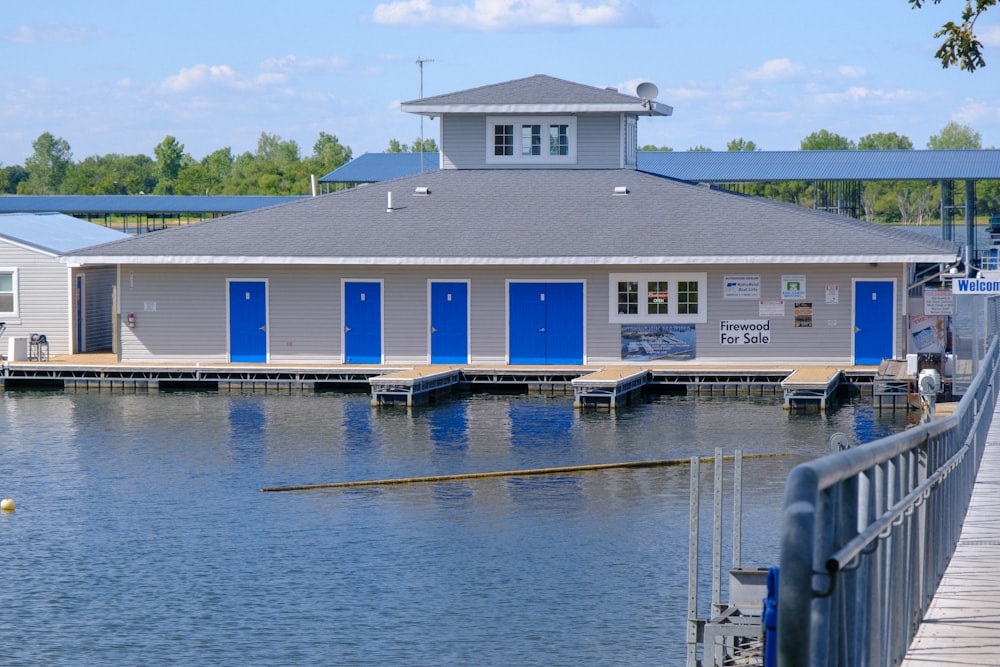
[(42, 296), (463, 142), (189, 322), (99, 308), (598, 143)]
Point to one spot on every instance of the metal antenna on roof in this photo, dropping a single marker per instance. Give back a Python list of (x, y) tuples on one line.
[(420, 64)]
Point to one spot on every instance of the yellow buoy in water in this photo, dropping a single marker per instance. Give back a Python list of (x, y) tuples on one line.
[(7, 504)]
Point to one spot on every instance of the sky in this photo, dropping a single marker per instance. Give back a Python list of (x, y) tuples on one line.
[(118, 77)]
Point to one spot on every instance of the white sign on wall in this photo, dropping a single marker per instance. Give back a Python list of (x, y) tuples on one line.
[(741, 287), (938, 302), (793, 287), (745, 332), (771, 308)]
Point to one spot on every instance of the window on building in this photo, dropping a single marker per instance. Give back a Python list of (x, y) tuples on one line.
[(658, 297), (8, 292), (521, 140), (631, 140), (653, 298), (531, 139), (558, 139), (687, 297), (503, 140), (628, 297)]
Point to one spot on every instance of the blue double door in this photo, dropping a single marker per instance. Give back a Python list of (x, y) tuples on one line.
[(546, 323)]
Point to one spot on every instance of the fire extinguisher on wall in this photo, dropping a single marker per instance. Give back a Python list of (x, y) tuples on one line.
[(131, 320)]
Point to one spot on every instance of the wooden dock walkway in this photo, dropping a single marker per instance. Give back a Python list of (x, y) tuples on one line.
[(962, 624)]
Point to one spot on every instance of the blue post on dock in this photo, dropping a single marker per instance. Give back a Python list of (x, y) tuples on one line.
[(769, 619)]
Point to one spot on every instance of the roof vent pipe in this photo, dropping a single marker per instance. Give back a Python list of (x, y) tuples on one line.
[(312, 182), (421, 190), (621, 190), (388, 204)]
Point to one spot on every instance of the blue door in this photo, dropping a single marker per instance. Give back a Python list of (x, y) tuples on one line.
[(449, 323), (247, 321), (546, 323), (362, 323), (873, 321)]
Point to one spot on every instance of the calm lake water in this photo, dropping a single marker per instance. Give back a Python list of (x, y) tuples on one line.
[(141, 535)]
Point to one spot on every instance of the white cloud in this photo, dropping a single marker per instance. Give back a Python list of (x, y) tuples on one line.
[(773, 70), (494, 15), (851, 71), (200, 76), (293, 63), (990, 35), (859, 94), (971, 113), (53, 33)]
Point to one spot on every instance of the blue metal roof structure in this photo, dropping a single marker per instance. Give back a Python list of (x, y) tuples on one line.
[(741, 166), (375, 167), (849, 165), (54, 233), (139, 204)]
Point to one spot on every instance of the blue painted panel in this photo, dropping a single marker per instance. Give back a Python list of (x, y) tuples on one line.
[(873, 309), (564, 323), (449, 323), (527, 323), (247, 321), (546, 323), (363, 323)]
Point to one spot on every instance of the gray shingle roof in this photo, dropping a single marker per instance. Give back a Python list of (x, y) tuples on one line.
[(528, 217), (533, 94)]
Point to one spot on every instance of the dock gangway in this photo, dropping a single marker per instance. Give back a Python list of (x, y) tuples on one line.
[(868, 533)]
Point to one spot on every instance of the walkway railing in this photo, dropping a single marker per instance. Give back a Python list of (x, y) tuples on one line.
[(868, 533)]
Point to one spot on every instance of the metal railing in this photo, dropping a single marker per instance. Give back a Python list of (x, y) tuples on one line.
[(868, 533)]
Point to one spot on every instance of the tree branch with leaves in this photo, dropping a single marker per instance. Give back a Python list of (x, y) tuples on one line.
[(960, 46)]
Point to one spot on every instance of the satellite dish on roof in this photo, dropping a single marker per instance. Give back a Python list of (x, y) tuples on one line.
[(647, 90)]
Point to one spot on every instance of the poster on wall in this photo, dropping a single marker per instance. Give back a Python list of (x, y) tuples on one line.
[(645, 342), (803, 314), (928, 334), (833, 294), (793, 287)]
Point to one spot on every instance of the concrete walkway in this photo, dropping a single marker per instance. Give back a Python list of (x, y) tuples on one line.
[(962, 625)]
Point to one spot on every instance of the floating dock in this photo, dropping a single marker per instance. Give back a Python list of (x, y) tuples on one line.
[(614, 385), (811, 384), (413, 385), (591, 386)]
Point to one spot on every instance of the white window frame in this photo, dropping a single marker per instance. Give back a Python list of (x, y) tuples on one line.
[(672, 316), (15, 303), (518, 121)]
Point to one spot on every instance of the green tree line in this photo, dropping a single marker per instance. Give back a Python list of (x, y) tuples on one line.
[(277, 167), (907, 202)]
